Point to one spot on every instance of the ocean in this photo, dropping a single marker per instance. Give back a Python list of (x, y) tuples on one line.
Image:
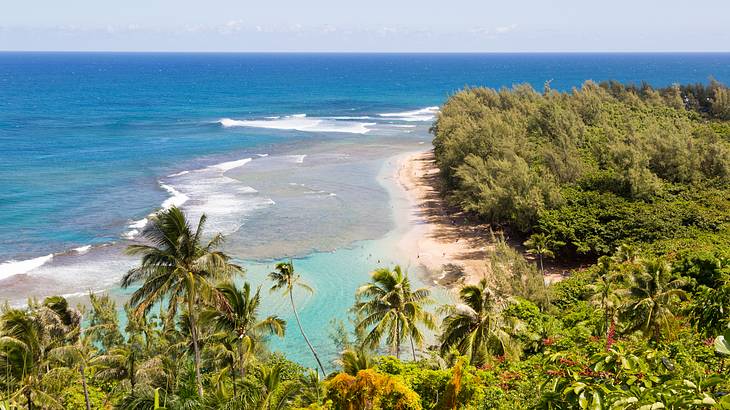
[(284, 152)]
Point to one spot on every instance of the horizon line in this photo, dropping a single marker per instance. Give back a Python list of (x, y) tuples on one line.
[(371, 52)]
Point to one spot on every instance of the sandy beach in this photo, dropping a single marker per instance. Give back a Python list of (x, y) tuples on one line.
[(450, 248)]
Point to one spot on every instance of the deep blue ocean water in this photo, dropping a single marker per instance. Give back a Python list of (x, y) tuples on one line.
[(91, 143)]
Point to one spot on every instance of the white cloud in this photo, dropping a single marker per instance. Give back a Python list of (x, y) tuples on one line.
[(505, 29), (231, 26), (480, 30)]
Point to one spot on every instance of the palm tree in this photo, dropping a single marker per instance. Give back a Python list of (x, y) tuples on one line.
[(76, 356), (355, 360), (311, 390), (134, 358), (392, 309), (285, 279), (103, 326), (274, 392), (236, 314), (626, 253), (541, 245), (222, 350), (605, 293), (26, 337), (654, 297), (177, 266), (473, 327)]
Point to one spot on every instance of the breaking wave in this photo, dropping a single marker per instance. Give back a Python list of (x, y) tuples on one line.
[(13, 267), (300, 122), (423, 114)]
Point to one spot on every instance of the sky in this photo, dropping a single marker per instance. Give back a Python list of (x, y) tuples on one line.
[(365, 25)]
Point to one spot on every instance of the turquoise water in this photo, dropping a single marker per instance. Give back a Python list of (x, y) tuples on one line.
[(282, 151)]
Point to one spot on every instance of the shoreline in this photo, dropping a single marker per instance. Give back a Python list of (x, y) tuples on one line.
[(451, 249)]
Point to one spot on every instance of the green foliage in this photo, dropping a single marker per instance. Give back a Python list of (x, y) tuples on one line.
[(73, 398), (516, 276), (391, 309), (593, 168), (721, 104)]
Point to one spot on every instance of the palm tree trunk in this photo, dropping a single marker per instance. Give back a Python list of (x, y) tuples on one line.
[(132, 377), (194, 336), (413, 349), (544, 284), (243, 358), (301, 329), (233, 376), (396, 338), (83, 385)]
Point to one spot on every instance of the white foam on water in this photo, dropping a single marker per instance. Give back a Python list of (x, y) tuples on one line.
[(75, 294), (139, 224), (227, 166), (423, 114), (300, 122), (262, 155), (131, 234), (356, 117), (76, 275), (226, 201), (12, 267), (82, 249), (299, 159), (135, 228), (176, 198)]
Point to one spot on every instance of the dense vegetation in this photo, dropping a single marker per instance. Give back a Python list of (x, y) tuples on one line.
[(645, 327), (595, 168)]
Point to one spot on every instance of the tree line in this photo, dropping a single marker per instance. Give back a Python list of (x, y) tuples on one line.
[(631, 331), (593, 168)]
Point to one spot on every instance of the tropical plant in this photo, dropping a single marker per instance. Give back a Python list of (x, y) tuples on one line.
[(473, 327), (722, 343), (26, 338), (607, 295), (354, 360), (271, 391), (235, 314), (177, 266), (76, 355), (370, 390), (103, 326), (286, 279), (390, 308), (654, 298), (626, 253), (542, 245)]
